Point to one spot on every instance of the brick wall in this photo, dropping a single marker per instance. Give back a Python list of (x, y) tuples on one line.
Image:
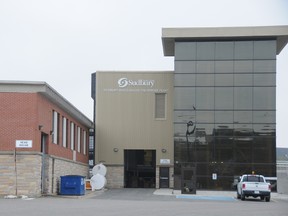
[(21, 114), (23, 176)]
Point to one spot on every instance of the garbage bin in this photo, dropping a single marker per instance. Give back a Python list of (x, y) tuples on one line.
[(72, 185)]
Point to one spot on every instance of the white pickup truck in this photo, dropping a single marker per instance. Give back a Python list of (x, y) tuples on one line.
[(254, 186)]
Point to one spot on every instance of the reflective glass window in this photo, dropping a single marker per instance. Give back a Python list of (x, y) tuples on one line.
[(205, 80), (208, 129), (264, 148), (185, 66), (224, 66), (243, 151), (204, 98), (205, 50), (264, 116), (265, 79), (243, 79), (185, 51), (265, 49), (243, 66), (203, 151), (223, 98), (243, 98), (223, 150), (243, 130), (205, 67), (205, 116), (223, 130), (242, 117), (265, 66), (264, 129), (243, 50), (264, 97), (184, 98), (184, 116), (223, 79), (184, 79), (223, 116), (224, 50), (181, 129)]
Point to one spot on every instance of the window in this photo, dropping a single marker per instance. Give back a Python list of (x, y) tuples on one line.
[(205, 67), (243, 79), (55, 127), (205, 50), (224, 80), (184, 79), (78, 139), (265, 49), (185, 66), (265, 66), (264, 98), (64, 131), (205, 79), (72, 135), (204, 98), (243, 50), (223, 98), (185, 51), (243, 98), (84, 141), (224, 66), (224, 50), (160, 105)]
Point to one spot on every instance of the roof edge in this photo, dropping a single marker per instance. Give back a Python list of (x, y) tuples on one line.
[(49, 92), (170, 35)]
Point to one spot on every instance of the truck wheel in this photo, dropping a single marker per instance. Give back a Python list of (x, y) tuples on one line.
[(262, 197), (242, 197), (238, 195), (267, 198)]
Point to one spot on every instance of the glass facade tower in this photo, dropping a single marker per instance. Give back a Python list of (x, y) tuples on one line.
[(224, 110)]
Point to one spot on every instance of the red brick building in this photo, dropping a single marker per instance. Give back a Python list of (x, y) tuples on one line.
[(42, 137)]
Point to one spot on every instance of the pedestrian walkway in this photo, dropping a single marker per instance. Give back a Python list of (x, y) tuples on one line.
[(211, 195), (200, 195)]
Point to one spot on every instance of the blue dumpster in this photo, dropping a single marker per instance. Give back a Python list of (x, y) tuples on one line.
[(72, 185)]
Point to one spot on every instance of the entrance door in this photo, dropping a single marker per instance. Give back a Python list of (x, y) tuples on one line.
[(188, 180), (164, 177), (45, 162), (140, 168)]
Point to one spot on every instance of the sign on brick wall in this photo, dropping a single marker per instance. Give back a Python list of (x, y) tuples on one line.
[(23, 143)]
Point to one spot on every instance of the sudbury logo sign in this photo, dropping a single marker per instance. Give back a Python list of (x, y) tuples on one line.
[(124, 82)]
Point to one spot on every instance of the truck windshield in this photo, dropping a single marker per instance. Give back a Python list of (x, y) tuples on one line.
[(253, 179)]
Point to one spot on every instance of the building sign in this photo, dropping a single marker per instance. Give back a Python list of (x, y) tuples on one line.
[(135, 85), (124, 82), (164, 161), (23, 143)]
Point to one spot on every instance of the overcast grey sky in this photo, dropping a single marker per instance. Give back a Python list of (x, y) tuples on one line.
[(62, 42)]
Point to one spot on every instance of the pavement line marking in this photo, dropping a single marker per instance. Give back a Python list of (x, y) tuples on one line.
[(217, 198)]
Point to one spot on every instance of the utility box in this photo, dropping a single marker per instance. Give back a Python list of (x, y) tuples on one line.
[(72, 185)]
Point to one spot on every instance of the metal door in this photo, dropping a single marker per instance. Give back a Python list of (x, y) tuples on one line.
[(164, 177)]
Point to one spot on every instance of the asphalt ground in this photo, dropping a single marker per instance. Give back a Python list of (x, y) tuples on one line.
[(142, 202)]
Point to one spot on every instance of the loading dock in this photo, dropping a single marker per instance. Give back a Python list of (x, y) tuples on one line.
[(140, 168)]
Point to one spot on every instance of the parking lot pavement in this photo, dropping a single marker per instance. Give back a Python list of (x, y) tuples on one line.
[(169, 194), (142, 202)]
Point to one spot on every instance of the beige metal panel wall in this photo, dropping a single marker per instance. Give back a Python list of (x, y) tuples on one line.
[(125, 115)]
